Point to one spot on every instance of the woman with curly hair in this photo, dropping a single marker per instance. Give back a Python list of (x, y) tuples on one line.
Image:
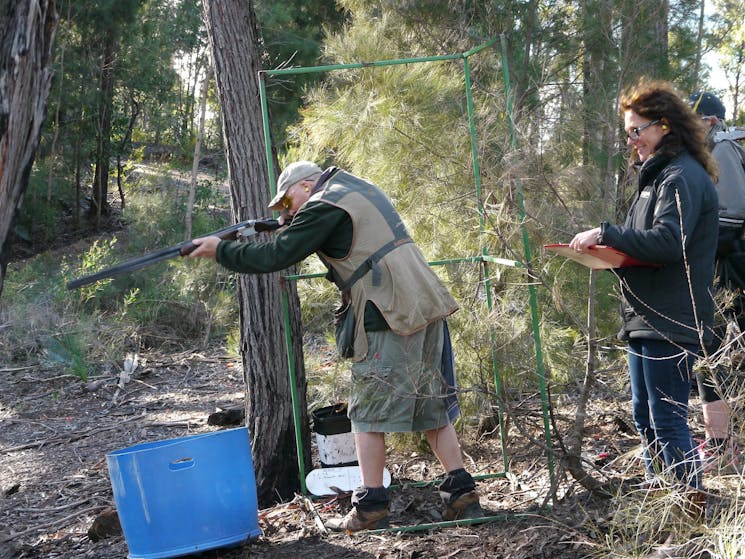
[(667, 311)]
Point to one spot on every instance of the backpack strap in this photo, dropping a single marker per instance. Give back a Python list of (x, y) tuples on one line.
[(741, 151)]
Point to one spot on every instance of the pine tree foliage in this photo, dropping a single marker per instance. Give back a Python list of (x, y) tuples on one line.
[(402, 126), (292, 33), (405, 128)]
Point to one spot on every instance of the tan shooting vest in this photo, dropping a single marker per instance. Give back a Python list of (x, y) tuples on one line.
[(383, 264)]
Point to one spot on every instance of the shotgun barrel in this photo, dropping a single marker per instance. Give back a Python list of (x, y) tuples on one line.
[(243, 229)]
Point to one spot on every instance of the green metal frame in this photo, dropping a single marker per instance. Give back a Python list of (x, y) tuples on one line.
[(484, 259)]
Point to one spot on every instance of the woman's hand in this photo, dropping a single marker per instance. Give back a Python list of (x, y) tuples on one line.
[(586, 239)]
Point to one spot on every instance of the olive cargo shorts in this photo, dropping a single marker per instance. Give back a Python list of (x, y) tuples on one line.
[(399, 386)]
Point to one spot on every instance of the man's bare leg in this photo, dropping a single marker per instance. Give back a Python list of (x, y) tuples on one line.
[(371, 457), (445, 445)]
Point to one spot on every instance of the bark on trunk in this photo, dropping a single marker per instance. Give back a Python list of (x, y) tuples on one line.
[(234, 39), (26, 36)]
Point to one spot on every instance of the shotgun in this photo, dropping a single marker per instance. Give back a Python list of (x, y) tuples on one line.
[(241, 231)]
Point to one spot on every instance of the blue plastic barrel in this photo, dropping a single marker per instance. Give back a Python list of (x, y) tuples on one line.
[(185, 495)]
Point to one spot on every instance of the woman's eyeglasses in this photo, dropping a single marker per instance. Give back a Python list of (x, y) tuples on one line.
[(634, 133)]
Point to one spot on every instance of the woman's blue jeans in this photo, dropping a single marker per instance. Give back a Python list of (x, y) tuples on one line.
[(661, 376)]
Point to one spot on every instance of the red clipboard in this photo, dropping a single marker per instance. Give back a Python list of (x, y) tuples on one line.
[(599, 257)]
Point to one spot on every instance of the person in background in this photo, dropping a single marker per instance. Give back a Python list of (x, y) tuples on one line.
[(667, 311), (719, 451), (399, 308)]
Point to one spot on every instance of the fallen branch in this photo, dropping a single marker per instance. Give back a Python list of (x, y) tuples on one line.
[(15, 369), (314, 514), (68, 438), (56, 522), (55, 509)]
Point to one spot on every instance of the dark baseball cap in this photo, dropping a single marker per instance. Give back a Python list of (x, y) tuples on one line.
[(706, 104)]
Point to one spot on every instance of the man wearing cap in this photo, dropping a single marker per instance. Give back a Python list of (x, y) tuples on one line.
[(719, 451), (399, 308)]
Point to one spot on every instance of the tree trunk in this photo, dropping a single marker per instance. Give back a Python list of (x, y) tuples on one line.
[(197, 152), (597, 140), (77, 159), (574, 438), (521, 59), (27, 34), (699, 45), (236, 54), (599, 84), (736, 78), (123, 146), (56, 125), (100, 204)]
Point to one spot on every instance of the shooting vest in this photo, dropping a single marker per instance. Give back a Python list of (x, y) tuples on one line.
[(383, 264)]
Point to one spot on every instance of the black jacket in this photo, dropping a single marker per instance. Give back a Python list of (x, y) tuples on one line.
[(657, 302)]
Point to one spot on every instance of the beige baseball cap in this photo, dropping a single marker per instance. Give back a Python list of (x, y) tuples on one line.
[(294, 172)]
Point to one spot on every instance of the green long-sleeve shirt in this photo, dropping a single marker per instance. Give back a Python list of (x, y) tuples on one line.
[(316, 227)]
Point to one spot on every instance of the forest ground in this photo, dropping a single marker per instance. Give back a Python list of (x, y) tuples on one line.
[(57, 431)]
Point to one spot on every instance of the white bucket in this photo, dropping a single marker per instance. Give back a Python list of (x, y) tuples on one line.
[(334, 436)]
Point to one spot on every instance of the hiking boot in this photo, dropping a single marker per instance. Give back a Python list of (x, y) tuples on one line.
[(465, 506), (721, 462), (458, 494), (370, 508), (357, 520)]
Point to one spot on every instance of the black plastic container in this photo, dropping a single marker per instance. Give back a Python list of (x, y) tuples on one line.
[(334, 436), (331, 420)]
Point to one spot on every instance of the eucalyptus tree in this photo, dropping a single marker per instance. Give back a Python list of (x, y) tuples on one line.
[(152, 97), (165, 58), (116, 78), (27, 29), (102, 25)]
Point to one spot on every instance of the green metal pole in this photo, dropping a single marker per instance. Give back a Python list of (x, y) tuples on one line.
[(449, 524), (531, 287), (293, 386), (479, 48), (475, 259), (267, 134), (377, 63), (484, 263), (296, 415), (355, 65), (270, 169)]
